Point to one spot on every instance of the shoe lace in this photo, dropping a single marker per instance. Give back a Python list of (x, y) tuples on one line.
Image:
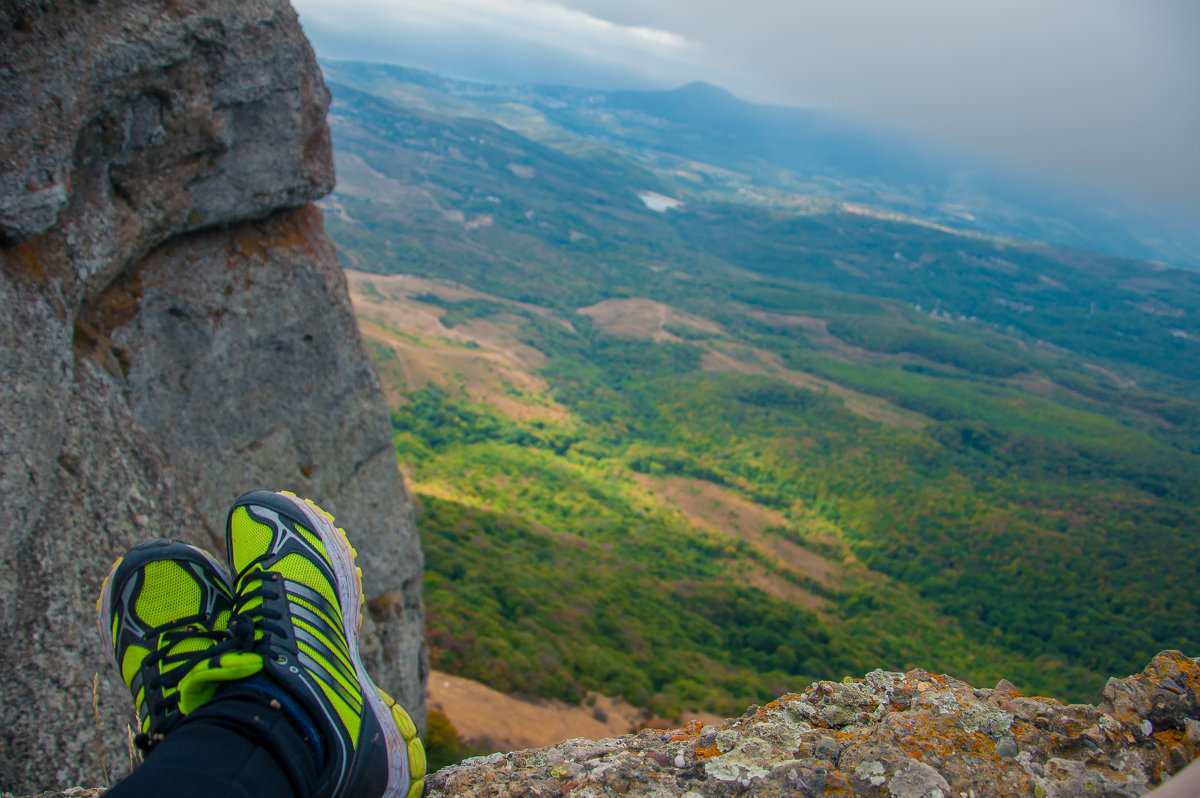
[(241, 633), (169, 666), (245, 624)]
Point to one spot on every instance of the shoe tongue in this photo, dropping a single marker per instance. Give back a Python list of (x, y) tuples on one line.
[(199, 684)]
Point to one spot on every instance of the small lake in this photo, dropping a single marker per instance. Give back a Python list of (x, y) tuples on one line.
[(658, 202)]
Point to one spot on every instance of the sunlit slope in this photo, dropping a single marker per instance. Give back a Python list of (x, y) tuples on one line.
[(647, 469), (695, 456)]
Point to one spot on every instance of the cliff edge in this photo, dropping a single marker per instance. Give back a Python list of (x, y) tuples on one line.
[(176, 330), (889, 735)]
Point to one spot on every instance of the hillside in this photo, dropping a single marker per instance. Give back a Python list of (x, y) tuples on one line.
[(708, 144), (691, 457)]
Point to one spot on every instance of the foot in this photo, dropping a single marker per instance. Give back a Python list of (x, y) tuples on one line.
[(162, 607), (299, 594)]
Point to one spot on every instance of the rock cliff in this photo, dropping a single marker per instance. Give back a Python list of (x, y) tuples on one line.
[(175, 331), (889, 735)]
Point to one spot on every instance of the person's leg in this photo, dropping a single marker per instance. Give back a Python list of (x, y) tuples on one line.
[(162, 607), (265, 691), (233, 748)]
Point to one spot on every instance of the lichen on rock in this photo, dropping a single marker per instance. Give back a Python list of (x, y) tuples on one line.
[(889, 735)]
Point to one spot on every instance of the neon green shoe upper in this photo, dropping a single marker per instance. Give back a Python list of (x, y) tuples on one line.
[(297, 606), (161, 608)]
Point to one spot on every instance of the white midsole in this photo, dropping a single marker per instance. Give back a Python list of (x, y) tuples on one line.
[(350, 598)]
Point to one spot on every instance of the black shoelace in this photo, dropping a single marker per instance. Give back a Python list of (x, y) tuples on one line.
[(239, 636), (169, 667)]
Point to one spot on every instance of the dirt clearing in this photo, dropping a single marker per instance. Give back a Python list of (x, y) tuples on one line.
[(644, 318), (508, 723), (720, 510), (480, 358)]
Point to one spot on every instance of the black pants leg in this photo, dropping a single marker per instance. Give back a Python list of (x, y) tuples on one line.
[(237, 747)]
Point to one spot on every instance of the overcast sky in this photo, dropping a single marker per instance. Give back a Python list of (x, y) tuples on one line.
[(1102, 92)]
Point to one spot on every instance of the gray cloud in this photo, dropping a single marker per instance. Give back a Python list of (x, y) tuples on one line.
[(500, 41), (1102, 92)]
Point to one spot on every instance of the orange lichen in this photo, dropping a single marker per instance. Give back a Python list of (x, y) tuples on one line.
[(781, 701), (1170, 737), (302, 228), (1175, 666), (1072, 727), (689, 731), (837, 783), (318, 150), (95, 322), (707, 752)]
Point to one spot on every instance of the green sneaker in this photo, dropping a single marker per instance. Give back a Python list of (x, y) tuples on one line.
[(161, 608), (300, 594)]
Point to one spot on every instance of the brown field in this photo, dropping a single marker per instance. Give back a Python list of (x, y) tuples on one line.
[(644, 318), (491, 719), (481, 359), (720, 510)]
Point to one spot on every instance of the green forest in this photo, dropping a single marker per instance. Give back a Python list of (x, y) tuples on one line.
[(1031, 526), (944, 451)]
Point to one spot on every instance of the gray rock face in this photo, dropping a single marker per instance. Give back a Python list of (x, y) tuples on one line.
[(127, 123), (175, 330), (890, 735)]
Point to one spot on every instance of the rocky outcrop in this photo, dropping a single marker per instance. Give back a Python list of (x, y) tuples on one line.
[(889, 735), (175, 331)]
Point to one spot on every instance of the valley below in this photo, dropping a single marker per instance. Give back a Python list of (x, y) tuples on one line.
[(695, 456)]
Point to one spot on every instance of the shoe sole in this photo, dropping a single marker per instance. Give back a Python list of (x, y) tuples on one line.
[(406, 754), (105, 599)]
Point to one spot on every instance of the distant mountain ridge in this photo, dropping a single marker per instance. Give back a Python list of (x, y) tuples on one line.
[(695, 103), (819, 154), (804, 139)]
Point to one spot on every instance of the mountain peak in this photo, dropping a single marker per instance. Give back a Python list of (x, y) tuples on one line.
[(698, 89), (695, 103)]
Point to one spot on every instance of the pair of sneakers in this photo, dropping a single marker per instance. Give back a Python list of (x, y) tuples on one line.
[(179, 629)]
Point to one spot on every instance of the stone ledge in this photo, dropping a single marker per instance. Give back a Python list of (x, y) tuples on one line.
[(890, 735)]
